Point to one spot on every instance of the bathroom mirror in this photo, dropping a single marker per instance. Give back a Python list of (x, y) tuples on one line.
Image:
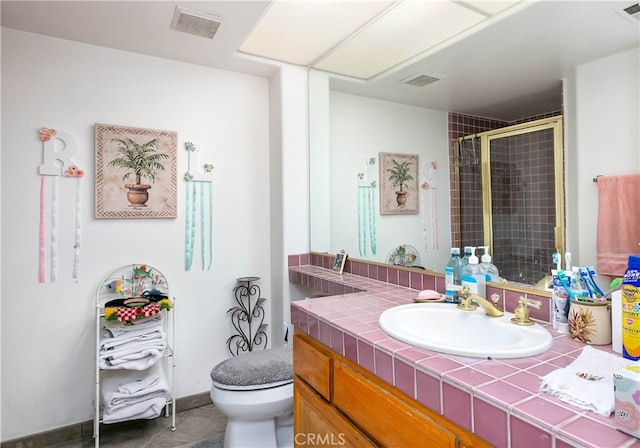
[(479, 83)]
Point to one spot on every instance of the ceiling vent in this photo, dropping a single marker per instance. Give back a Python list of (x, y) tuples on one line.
[(631, 12), (197, 23), (421, 79)]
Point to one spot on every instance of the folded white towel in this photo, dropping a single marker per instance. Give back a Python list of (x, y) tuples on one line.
[(122, 388), (117, 328), (587, 382), (147, 409), (140, 339), (137, 360)]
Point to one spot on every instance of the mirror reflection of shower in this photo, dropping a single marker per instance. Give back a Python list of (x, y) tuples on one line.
[(516, 195)]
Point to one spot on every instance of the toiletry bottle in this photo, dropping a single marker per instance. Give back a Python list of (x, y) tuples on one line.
[(468, 250), (452, 272), (490, 270), (631, 309), (473, 277)]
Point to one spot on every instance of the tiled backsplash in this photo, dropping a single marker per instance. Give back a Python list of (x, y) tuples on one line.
[(396, 275)]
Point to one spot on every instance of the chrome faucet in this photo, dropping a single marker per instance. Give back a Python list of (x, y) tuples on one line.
[(467, 299)]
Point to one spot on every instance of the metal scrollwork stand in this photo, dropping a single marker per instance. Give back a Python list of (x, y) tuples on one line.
[(247, 318)]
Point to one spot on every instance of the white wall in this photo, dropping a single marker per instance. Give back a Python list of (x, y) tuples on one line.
[(361, 128), (48, 329), (602, 100)]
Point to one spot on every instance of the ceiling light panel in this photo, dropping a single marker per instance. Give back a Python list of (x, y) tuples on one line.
[(300, 32), (412, 27)]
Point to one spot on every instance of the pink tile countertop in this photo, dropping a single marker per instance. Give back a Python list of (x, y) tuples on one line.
[(496, 399)]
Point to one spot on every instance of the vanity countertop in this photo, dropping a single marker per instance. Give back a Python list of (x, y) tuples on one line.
[(496, 399)]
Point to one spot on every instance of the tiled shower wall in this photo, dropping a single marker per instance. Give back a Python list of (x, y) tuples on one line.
[(523, 194), (525, 263)]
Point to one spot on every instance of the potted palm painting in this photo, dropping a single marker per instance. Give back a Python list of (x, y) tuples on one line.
[(398, 184), (135, 172)]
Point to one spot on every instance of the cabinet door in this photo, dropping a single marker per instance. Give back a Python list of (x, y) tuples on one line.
[(317, 424), (383, 416), (313, 366)]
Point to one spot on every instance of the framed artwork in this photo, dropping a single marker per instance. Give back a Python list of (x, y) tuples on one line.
[(399, 193), (338, 264), (136, 172)]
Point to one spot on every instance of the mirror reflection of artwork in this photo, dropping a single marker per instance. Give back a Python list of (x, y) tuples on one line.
[(399, 193), (338, 264)]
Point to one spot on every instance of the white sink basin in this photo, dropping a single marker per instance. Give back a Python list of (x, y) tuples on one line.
[(444, 328)]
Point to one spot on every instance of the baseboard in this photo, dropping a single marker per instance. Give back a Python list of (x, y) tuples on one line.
[(84, 430)]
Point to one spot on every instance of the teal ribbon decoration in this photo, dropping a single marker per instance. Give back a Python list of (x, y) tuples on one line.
[(202, 228), (362, 241), (210, 225), (366, 219), (372, 219), (196, 202)]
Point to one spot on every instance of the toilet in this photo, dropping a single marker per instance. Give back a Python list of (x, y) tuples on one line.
[(255, 391)]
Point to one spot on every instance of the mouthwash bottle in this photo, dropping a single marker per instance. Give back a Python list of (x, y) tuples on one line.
[(473, 277), (631, 309), (452, 278)]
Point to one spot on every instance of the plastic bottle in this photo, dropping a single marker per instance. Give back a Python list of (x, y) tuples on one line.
[(473, 277), (468, 250), (631, 309), (490, 270), (452, 273)]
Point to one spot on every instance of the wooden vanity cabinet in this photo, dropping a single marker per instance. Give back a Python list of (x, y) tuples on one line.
[(337, 402)]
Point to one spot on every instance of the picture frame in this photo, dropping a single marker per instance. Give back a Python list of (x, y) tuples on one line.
[(338, 264), (399, 190), (136, 172)]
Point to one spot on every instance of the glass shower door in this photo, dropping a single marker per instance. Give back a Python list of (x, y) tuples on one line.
[(523, 169)]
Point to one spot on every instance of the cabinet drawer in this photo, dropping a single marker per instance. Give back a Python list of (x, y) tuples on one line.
[(313, 366), (382, 415)]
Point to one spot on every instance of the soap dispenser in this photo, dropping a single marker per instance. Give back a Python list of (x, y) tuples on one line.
[(491, 271), (473, 277)]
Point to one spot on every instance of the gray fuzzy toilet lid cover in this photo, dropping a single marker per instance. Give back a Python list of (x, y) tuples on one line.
[(261, 367)]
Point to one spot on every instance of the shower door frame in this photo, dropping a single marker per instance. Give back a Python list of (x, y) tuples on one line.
[(556, 124)]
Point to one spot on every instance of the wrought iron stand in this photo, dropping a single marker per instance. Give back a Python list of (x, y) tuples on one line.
[(247, 318)]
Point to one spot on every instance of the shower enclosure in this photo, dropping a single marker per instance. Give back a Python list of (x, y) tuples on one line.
[(512, 198)]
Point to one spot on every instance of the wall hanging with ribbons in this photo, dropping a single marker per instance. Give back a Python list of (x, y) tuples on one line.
[(429, 196), (199, 210), (59, 147), (367, 208)]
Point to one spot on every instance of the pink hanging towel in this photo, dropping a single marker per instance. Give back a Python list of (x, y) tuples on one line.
[(618, 222)]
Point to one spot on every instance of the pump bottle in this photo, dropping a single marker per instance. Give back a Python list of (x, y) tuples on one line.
[(468, 250), (491, 271), (473, 277)]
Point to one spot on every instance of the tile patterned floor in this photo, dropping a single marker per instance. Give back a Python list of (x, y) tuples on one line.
[(201, 427)]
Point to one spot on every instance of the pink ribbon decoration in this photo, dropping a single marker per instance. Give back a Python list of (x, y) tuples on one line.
[(42, 229)]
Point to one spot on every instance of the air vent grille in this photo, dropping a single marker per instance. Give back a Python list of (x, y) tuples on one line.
[(195, 22), (421, 79), (631, 12)]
